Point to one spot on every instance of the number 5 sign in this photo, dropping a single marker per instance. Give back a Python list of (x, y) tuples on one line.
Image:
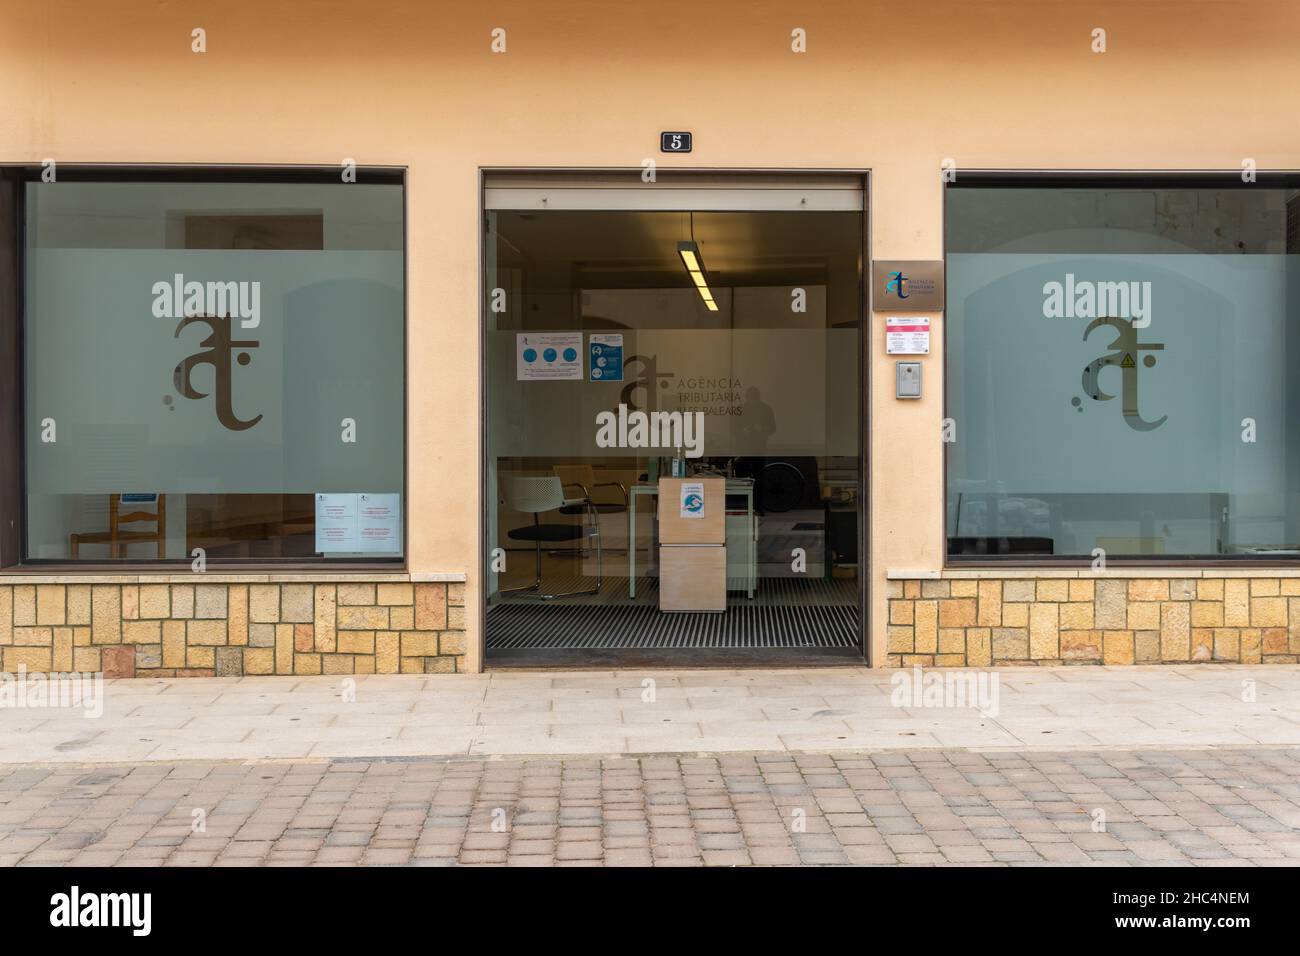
[(675, 142)]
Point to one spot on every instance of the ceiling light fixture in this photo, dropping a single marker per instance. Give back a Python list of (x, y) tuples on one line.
[(690, 254)]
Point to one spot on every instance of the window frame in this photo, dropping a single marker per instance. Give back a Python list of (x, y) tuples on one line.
[(13, 509), (1082, 179)]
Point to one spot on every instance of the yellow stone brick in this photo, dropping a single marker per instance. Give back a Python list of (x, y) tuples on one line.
[(32, 658), (957, 612), (283, 647), (1082, 591), (952, 640), (456, 593), (1290, 587), (1268, 611), (989, 613), (141, 632), (979, 647), (964, 588), (51, 604), (455, 618), (412, 665), (63, 648), (81, 636), (259, 660), (1209, 589), (356, 594), (1264, 587), (1175, 631), (912, 589), (901, 640), (1252, 645), (325, 618), (361, 618), (336, 664), (430, 607), (6, 615), (130, 602), (173, 643), (1236, 602), (909, 660), (386, 656), (303, 638), (363, 664), (395, 594), (155, 600), (306, 663), (106, 614), (1202, 643), (453, 642), (34, 636), (183, 601), (1055, 590), (1274, 640), (79, 604), (237, 615), (211, 632), (85, 659), (201, 656), (1148, 589), (1117, 647), (1077, 615), (419, 643), (356, 642), (1015, 615), (940, 660), (1144, 616), (1227, 644), (1207, 614), (25, 605), (900, 612), (1044, 630), (926, 627), (264, 606), (401, 618)]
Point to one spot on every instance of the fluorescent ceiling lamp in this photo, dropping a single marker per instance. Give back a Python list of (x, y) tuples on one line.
[(690, 254)]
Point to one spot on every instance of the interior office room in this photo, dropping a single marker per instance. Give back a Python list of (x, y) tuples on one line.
[(655, 356)]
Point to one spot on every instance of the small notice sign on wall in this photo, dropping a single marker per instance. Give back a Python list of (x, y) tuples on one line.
[(907, 334), (679, 142)]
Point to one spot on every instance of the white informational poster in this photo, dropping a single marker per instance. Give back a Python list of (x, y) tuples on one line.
[(907, 334), (379, 523), (358, 523), (692, 501), (548, 356), (336, 523)]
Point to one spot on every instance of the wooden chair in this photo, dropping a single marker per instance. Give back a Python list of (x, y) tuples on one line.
[(116, 538)]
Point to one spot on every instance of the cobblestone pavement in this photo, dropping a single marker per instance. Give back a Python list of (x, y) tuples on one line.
[(1208, 806)]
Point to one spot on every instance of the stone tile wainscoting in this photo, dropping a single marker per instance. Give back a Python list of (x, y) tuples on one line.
[(210, 625), (981, 619)]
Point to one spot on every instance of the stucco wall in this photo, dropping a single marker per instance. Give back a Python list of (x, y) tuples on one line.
[(895, 88)]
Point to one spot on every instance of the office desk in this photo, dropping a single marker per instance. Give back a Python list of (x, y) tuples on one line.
[(735, 486)]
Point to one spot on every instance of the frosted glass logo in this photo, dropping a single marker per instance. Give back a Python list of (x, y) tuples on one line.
[(637, 429), (1095, 300)]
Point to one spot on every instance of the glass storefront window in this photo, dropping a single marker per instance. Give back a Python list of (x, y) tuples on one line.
[(214, 365), (1123, 362)]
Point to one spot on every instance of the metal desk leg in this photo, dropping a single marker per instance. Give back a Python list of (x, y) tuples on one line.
[(631, 545)]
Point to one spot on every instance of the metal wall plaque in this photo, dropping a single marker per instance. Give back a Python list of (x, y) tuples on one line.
[(907, 285), (679, 142)]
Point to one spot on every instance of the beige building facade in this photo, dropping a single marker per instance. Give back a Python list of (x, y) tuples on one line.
[(955, 123)]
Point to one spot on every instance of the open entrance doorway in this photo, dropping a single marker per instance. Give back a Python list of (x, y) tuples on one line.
[(673, 380)]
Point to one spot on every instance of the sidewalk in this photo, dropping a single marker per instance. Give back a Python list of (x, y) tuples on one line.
[(833, 710)]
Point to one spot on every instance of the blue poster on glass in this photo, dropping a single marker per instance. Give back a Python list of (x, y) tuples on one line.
[(605, 356)]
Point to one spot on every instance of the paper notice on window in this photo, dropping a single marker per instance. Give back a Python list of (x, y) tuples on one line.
[(336, 523), (907, 335), (379, 524), (358, 523), (692, 501), (548, 356)]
